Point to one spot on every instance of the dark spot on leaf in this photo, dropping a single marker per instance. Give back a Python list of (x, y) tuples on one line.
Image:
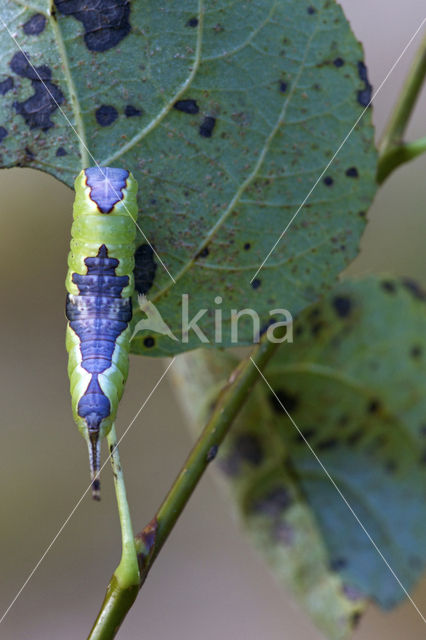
[(60, 151), (35, 25), (249, 448), (364, 95), (29, 154), (6, 85), (37, 109), (354, 438), (106, 115), (317, 327), (145, 267), (414, 288), (230, 465), (207, 126), (311, 10), (130, 111), (416, 351), (273, 503), (373, 406), (283, 397), (423, 430), (328, 181), (391, 466), (330, 443), (305, 434), (212, 452), (3, 133), (352, 172), (283, 87), (105, 23), (256, 283), (192, 22), (187, 106), (337, 564), (342, 306), (21, 66), (338, 62), (149, 342), (388, 286), (247, 246), (203, 253), (362, 214)]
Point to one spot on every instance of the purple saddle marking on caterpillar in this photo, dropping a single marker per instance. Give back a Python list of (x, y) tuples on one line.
[(106, 186), (98, 315)]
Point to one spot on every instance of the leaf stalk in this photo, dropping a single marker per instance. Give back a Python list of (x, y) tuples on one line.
[(393, 151)]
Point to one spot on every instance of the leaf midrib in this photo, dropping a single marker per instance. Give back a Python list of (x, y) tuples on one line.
[(169, 105)]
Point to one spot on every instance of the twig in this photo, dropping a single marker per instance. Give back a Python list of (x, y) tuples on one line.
[(393, 151)]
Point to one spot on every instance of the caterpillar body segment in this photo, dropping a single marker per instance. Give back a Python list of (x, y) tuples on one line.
[(100, 285)]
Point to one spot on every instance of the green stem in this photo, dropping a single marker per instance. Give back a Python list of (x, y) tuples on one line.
[(152, 538), (397, 155), (124, 585), (231, 399), (392, 149)]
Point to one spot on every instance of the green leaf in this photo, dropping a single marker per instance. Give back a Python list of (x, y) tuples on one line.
[(274, 89), (354, 384), (268, 497)]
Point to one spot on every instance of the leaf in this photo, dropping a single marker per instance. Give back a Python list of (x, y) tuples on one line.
[(227, 113), (254, 461), (354, 384)]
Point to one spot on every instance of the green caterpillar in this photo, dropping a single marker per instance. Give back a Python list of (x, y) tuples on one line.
[(100, 286)]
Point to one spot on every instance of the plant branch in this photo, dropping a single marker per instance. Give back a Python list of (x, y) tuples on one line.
[(392, 149), (228, 404), (151, 539), (124, 584)]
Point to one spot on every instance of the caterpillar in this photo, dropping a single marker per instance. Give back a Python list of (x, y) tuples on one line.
[(100, 286)]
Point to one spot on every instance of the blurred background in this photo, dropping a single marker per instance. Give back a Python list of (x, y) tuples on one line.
[(207, 582)]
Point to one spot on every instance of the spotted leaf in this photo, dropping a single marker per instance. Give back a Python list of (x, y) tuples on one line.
[(354, 382), (270, 504), (227, 114)]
